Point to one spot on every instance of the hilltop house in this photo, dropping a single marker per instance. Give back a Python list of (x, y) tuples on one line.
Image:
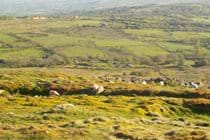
[(39, 18)]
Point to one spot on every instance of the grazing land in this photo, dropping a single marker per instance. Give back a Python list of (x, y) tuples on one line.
[(110, 38), (123, 111), (130, 73)]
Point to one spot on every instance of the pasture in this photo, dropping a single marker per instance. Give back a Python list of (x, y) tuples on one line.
[(123, 111), (71, 41)]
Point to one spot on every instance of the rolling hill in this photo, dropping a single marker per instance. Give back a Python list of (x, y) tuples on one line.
[(140, 35), (50, 7), (104, 70)]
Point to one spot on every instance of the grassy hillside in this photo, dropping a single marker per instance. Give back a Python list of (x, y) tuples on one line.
[(124, 111), (151, 62)]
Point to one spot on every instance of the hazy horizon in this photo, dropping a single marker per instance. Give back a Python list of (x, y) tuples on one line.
[(31, 7)]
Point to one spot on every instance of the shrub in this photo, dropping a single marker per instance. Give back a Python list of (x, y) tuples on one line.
[(201, 62), (140, 73)]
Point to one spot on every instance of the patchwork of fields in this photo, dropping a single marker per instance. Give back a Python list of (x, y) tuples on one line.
[(70, 41)]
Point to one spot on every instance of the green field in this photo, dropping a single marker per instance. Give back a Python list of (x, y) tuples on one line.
[(91, 40)]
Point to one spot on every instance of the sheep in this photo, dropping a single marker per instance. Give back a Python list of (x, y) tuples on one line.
[(194, 85), (53, 93), (95, 86), (144, 83), (2, 91), (98, 89), (162, 83)]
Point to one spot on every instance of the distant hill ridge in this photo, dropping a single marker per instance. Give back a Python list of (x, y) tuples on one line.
[(52, 7), (134, 12)]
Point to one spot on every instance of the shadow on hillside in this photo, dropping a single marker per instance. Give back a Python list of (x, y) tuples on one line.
[(112, 92), (200, 106), (185, 94)]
